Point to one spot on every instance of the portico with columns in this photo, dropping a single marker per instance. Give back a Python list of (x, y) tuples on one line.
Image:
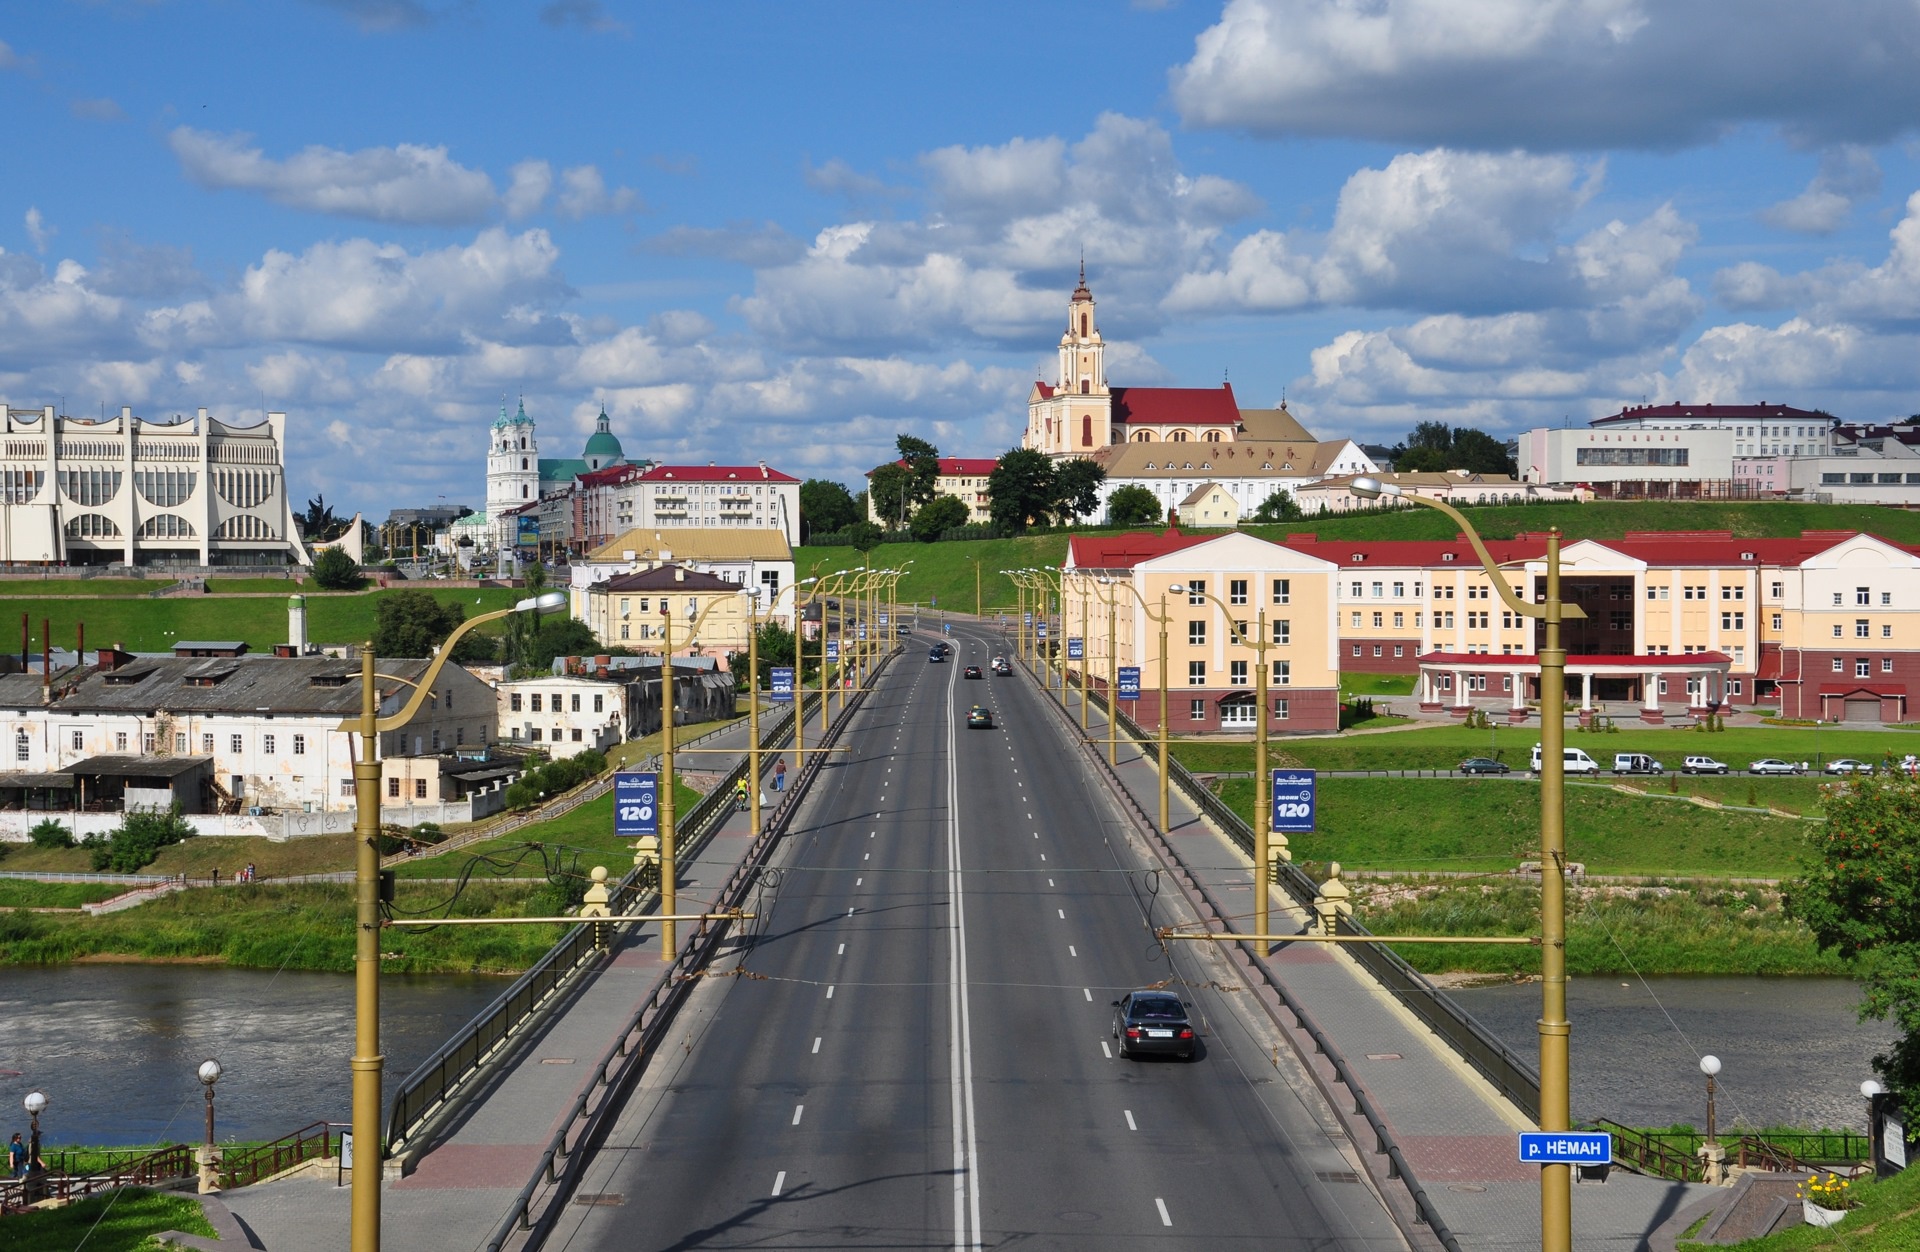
[(1450, 680)]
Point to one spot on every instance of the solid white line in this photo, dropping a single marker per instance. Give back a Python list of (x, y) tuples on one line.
[(1130, 1125), (779, 1181), (801, 1108), (816, 1045), (1087, 992), (1160, 1204)]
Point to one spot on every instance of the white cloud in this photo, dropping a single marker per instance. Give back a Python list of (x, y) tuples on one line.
[(583, 193), (37, 230), (1885, 295), (528, 184), (57, 318), (408, 183), (97, 109), (1553, 74), (1847, 173)]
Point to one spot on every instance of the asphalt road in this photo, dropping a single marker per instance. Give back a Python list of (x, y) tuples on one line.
[(915, 1051)]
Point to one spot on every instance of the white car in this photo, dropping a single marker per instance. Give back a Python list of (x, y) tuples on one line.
[(1769, 765), (1702, 765), (1847, 765)]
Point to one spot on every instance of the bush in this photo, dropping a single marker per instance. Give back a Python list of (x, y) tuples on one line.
[(543, 782), (49, 833), (334, 570), (137, 840)]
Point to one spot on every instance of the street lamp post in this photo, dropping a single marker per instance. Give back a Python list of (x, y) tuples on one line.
[(1262, 804), (1556, 1181), (209, 1074), (1084, 596), (1161, 619), (364, 1235), (35, 1104), (1712, 1155)]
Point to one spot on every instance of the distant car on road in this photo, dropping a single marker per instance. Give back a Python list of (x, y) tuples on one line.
[(1636, 763), (1484, 765), (1001, 668), (1847, 765), (979, 718), (1153, 1021), (1769, 765), (902, 630), (1702, 765), (936, 654), (972, 671)]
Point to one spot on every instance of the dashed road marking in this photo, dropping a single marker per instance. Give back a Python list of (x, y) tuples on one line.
[(801, 1108), (842, 951), (1160, 1204), (779, 1181), (1063, 914), (829, 992), (1105, 1051), (1087, 992), (816, 1045), (1071, 952), (1130, 1125)]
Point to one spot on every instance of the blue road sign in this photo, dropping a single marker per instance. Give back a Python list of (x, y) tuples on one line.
[(1029, 619), (833, 649), (1042, 628), (636, 808), (883, 619), (783, 683), (1129, 680), (946, 628), (863, 632), (1293, 800), (1565, 1147), (1076, 649)]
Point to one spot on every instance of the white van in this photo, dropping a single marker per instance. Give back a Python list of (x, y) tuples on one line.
[(1573, 761), (1636, 763)]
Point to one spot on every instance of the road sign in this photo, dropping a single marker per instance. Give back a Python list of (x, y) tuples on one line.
[(1076, 649), (863, 632), (833, 649), (783, 684), (1029, 619), (1129, 680), (1292, 800), (946, 628), (1042, 628), (883, 619), (1565, 1147), (636, 807)]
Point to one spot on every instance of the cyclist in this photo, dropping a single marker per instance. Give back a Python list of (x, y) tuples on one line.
[(740, 793)]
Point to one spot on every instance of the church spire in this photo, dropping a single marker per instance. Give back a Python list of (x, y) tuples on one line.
[(1081, 293)]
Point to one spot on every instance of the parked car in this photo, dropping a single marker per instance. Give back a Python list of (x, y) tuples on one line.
[(979, 718), (1574, 761), (1153, 1021), (1484, 765), (972, 671), (1702, 765), (1769, 765), (1636, 763), (1847, 765)]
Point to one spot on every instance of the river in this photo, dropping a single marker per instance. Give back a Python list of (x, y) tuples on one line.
[(1791, 1050), (115, 1047)]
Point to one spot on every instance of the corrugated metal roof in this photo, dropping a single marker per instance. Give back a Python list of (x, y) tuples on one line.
[(698, 543), (240, 684)]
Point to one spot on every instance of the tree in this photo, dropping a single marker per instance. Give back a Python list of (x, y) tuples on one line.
[(334, 570), (825, 506), (1278, 507), (1434, 446), (776, 648), (1021, 490), (1480, 453), (411, 623), (864, 536), (938, 516), (558, 636), (1076, 489), (1861, 898), (923, 463), (1132, 505), (891, 488)]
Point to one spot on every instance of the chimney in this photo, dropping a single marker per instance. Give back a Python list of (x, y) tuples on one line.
[(297, 624)]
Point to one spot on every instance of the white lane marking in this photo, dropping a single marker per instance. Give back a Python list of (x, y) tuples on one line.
[(816, 1045), (858, 881), (1063, 914), (867, 856), (1087, 992), (842, 951), (1070, 951), (1036, 834), (779, 1181), (1049, 882), (1043, 856), (829, 992), (801, 1108), (849, 912), (1130, 1125), (1160, 1204), (1105, 1050), (966, 1148)]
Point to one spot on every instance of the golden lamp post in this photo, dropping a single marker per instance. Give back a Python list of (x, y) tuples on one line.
[(1556, 1190), (1262, 803), (364, 1229), (1172, 589)]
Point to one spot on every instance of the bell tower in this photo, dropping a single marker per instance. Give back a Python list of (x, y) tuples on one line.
[(513, 462), (1088, 423)]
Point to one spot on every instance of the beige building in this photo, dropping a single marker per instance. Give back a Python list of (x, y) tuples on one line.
[(1209, 506), (744, 556), (1457, 487), (690, 612), (1249, 470), (962, 477)]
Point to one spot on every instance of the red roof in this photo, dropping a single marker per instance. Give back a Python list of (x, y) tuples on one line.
[(611, 475), (1679, 548), (1128, 550), (954, 466), (715, 474), (1731, 412), (1467, 660), (1165, 406), (1863, 689)]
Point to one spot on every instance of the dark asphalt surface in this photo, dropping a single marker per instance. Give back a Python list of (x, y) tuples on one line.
[(916, 1051)]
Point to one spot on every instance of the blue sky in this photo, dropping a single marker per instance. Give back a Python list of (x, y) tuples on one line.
[(789, 231)]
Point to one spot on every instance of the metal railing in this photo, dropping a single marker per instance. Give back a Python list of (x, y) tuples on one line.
[(250, 1165), (1649, 1154), (422, 1092), (144, 1170)]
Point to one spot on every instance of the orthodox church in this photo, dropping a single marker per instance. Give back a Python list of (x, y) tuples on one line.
[(518, 476)]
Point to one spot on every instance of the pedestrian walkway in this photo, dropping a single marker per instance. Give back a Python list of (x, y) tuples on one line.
[(1457, 1132), (457, 1192)]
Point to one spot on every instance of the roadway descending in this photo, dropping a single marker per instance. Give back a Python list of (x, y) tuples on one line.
[(915, 1051)]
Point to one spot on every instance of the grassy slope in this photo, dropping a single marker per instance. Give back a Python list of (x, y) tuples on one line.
[(19, 893), (130, 1218), (1886, 1219)]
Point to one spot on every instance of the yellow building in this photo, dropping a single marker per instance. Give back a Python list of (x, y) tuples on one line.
[(1209, 506), (633, 611)]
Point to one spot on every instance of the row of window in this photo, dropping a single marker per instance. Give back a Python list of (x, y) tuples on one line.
[(534, 700), (1237, 714), (1863, 666), (1863, 629), (1237, 674)]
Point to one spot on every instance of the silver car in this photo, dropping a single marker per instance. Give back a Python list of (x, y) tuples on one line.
[(1847, 765), (1769, 765)]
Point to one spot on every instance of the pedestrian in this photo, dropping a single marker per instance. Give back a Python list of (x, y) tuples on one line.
[(779, 774), (16, 1156), (215, 880)]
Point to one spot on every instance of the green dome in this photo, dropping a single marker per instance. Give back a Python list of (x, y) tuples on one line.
[(602, 449)]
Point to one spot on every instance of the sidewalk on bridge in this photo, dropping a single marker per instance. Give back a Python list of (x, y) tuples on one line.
[(461, 1189), (1457, 1132)]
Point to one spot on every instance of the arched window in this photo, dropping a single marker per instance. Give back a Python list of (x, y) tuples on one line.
[(1086, 430), (523, 462), (1212, 436), (1085, 386), (1083, 325), (1179, 436), (1143, 436)]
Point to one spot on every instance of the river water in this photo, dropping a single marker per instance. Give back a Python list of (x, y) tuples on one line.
[(115, 1047), (1791, 1049)]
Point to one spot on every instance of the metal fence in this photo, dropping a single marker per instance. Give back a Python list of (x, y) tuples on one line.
[(421, 1092), (144, 1170), (250, 1165)]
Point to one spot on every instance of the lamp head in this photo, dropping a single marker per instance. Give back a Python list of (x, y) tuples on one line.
[(1709, 1065), (1178, 589), (1367, 487), (545, 601), (35, 1102), (1870, 1088), (209, 1071)]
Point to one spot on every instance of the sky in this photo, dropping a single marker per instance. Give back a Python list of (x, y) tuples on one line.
[(790, 231)]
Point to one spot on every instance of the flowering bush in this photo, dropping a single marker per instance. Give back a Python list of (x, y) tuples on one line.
[(1829, 1192)]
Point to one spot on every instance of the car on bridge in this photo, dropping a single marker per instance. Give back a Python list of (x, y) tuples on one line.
[(972, 671), (979, 718), (1484, 765), (1147, 1022), (936, 654), (1771, 765)]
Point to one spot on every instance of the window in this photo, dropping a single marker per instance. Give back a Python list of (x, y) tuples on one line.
[(599, 702), (1399, 620), (1237, 673), (1886, 665), (393, 788), (533, 702), (1356, 649), (1837, 631), (1862, 668), (419, 788), (1356, 621), (1356, 591), (1283, 673), (266, 744), (1837, 598), (1443, 621), (1776, 590), (1776, 621), (1377, 649), (1196, 673), (1656, 593), (575, 705), (1237, 591), (576, 735), (1862, 595), (79, 741), (299, 745), (120, 741), (1416, 621), (1861, 630), (1630, 456), (1618, 621), (1280, 710), (236, 744), (1196, 591), (1886, 598), (1376, 591), (22, 747), (179, 743), (533, 735), (206, 745), (1399, 590), (1733, 593), (1416, 590), (623, 635), (1196, 634), (1196, 710), (1837, 665), (1283, 591), (346, 787), (513, 702), (1886, 631), (1733, 621), (1734, 686), (1282, 633), (1377, 621)]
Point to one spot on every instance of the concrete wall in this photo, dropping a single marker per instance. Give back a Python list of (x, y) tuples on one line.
[(15, 823)]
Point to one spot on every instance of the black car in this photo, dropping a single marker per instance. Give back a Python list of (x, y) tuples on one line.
[(972, 671), (936, 654), (1484, 765), (979, 718), (1153, 1022)]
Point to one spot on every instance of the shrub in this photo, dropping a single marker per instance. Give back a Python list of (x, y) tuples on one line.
[(137, 840), (542, 782), (334, 570), (49, 833)]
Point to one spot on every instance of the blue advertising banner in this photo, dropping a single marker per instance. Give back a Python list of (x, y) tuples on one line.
[(1293, 800), (527, 532), (636, 808), (1076, 649), (1042, 628), (1565, 1147), (783, 684), (1129, 680), (1029, 619), (863, 632), (833, 649)]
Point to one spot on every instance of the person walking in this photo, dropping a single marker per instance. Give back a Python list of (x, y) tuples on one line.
[(779, 774), (16, 1156)]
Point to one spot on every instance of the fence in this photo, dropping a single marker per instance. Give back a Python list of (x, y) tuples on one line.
[(250, 1165), (420, 1093), (1651, 1153), (142, 1170)]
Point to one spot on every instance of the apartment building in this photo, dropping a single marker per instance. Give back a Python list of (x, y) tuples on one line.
[(693, 613), (744, 556), (962, 477)]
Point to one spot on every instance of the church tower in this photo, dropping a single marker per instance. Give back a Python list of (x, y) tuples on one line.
[(513, 463), (1086, 422)]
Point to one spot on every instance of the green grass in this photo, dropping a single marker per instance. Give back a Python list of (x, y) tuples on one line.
[(1886, 1218), (24, 893), (36, 587), (1358, 684), (1491, 826), (143, 625), (256, 586), (313, 854), (124, 1221), (587, 830)]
